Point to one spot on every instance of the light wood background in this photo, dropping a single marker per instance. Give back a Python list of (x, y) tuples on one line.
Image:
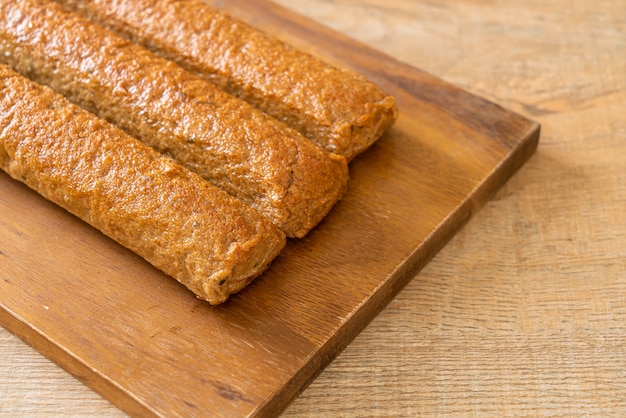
[(524, 311)]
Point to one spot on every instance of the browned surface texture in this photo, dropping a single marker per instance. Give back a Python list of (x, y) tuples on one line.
[(183, 225), (238, 148), (293, 86), (523, 312)]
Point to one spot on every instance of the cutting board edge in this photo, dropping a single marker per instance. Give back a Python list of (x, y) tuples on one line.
[(406, 271), (344, 334), (63, 358)]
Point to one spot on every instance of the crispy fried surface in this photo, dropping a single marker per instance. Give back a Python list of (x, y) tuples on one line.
[(193, 231), (238, 148), (338, 109)]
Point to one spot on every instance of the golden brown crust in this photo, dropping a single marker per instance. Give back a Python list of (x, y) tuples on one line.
[(338, 109), (238, 148), (193, 231)]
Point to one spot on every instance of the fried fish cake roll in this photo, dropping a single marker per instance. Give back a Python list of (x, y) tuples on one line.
[(208, 240), (338, 109), (230, 143)]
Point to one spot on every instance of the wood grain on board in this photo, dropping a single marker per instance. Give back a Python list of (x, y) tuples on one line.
[(145, 343)]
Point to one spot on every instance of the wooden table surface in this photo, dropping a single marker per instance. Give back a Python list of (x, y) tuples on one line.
[(524, 311)]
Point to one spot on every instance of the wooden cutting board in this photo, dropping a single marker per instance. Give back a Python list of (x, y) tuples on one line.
[(148, 345)]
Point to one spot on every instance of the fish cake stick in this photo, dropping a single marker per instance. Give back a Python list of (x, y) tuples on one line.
[(338, 109), (228, 142), (195, 232)]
